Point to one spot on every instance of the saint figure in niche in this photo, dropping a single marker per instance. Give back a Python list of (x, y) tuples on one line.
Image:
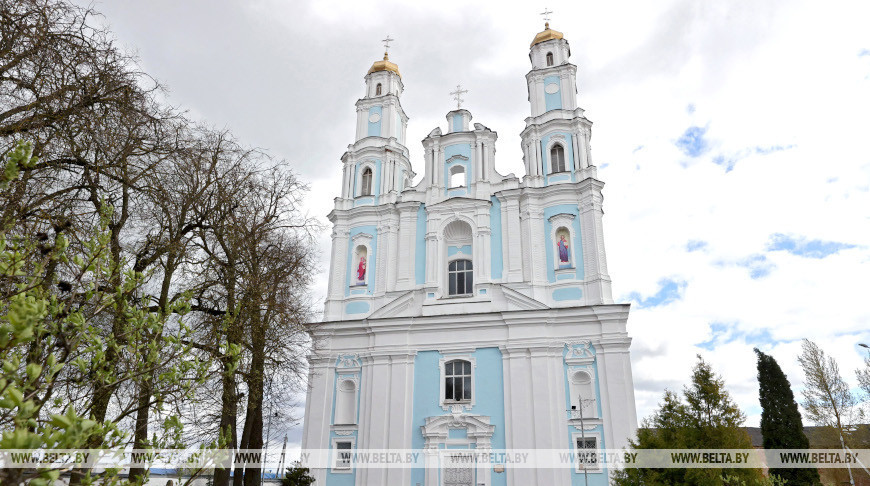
[(564, 251), (361, 269)]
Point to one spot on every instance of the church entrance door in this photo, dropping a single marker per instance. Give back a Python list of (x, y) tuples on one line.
[(458, 469)]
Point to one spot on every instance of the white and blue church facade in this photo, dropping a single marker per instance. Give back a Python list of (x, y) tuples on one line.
[(473, 310)]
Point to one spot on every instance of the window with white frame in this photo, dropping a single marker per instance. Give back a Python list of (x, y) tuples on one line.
[(460, 278), (457, 381), (378, 90), (557, 158), (549, 59), (365, 188), (457, 176), (587, 453), (343, 454)]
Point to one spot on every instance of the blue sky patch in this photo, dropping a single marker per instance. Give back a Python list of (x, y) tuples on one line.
[(695, 245), (670, 290), (727, 162), (801, 246), (759, 266), (724, 333), (771, 149), (692, 141)]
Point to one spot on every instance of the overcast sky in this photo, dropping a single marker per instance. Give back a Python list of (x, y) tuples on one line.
[(732, 137)]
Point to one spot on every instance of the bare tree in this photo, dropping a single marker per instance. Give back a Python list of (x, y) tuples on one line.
[(827, 397)]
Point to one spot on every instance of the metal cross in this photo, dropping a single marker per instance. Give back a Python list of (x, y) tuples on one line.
[(546, 13), (457, 95), (387, 43)]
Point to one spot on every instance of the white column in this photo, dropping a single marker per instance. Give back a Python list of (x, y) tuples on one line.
[(578, 164), (406, 248), (519, 427), (338, 263), (401, 407), (538, 251), (511, 236), (617, 393)]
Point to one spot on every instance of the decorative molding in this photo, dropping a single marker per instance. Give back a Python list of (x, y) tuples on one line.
[(348, 361), (456, 157), (579, 349), (478, 427), (561, 218)]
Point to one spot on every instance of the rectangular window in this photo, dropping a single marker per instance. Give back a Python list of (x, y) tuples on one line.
[(587, 453), (457, 381), (342, 455), (460, 278)]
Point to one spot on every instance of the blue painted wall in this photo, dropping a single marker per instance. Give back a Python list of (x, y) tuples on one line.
[(371, 268), (463, 149), (568, 145), (420, 246), (577, 479), (576, 243), (454, 250), (496, 258), (341, 479), (552, 101), (488, 397), (375, 128), (457, 123), (567, 293)]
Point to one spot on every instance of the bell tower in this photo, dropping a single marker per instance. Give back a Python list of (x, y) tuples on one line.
[(555, 141), (376, 165), (375, 170)]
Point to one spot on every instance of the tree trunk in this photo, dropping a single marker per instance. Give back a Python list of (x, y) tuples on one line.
[(254, 417), (229, 399)]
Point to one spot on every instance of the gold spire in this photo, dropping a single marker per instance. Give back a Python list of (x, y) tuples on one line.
[(385, 65), (547, 34)]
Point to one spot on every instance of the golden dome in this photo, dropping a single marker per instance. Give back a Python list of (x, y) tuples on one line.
[(385, 65), (547, 34)]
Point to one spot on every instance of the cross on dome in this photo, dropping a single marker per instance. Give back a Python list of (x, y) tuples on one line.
[(457, 95), (387, 43), (546, 14)]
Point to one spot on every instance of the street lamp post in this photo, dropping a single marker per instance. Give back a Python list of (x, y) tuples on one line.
[(583, 438)]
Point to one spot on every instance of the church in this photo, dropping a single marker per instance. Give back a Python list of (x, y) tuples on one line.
[(472, 311)]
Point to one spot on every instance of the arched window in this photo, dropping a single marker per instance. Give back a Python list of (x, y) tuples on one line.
[(460, 277), (457, 381), (457, 176), (378, 90), (345, 403), (557, 158), (549, 59), (366, 187)]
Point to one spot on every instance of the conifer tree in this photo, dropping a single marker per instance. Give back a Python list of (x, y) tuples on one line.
[(781, 425), (706, 417)]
